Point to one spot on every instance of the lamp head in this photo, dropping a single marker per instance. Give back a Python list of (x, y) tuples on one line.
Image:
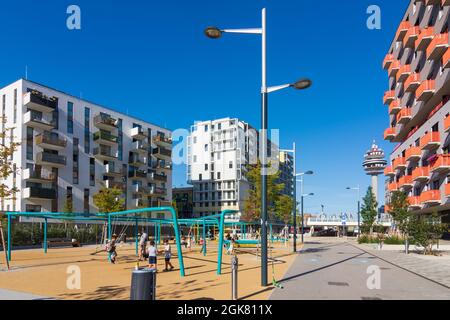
[(213, 32), (302, 84), (309, 172)]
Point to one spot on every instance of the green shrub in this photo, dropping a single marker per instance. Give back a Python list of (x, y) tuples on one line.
[(394, 240)]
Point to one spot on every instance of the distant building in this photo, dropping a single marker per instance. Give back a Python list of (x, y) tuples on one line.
[(286, 173), (184, 199)]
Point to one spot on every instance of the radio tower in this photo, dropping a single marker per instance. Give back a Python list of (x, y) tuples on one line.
[(374, 165)]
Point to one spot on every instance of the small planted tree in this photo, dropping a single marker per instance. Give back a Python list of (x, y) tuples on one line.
[(400, 215), (283, 207), (109, 200), (426, 230), (369, 211)]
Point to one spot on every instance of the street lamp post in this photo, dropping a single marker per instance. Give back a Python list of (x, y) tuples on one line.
[(216, 33), (303, 196), (359, 208), (309, 172)]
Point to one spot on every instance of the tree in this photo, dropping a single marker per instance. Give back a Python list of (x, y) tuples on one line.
[(399, 211), (252, 205), (426, 230), (369, 211), (109, 200), (284, 206), (68, 206)]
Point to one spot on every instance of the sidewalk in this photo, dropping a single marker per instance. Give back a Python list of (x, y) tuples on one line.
[(431, 267), (16, 295)]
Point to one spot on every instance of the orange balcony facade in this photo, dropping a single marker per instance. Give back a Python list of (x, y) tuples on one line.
[(404, 115), (402, 30), (447, 124), (389, 171), (441, 164), (421, 174), (426, 89), (446, 59), (405, 181), (389, 134), (388, 97), (430, 197), (438, 46), (403, 72), (447, 190), (399, 163), (388, 59), (393, 186), (424, 38), (394, 68), (412, 82), (414, 202), (411, 36), (394, 106), (430, 140), (413, 153)]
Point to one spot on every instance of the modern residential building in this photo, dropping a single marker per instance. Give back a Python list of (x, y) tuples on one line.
[(70, 148), (374, 165), (286, 168), (184, 199), (418, 65), (218, 154)]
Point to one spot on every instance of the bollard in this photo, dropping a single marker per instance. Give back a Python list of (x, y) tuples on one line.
[(234, 278), (143, 284)]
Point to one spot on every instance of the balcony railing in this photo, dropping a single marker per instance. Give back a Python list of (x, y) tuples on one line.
[(388, 97), (115, 184), (442, 163), (162, 152), (50, 158), (138, 133), (424, 38), (158, 139), (446, 59), (425, 90), (403, 73), (447, 190), (158, 191), (411, 36), (389, 133), (101, 136), (111, 170), (405, 181), (430, 197), (412, 82), (38, 175), (137, 161), (48, 140), (139, 146), (158, 177), (388, 59), (395, 107), (393, 186), (414, 202), (40, 193), (399, 163), (137, 188), (394, 68), (104, 121), (421, 174), (413, 153), (38, 101), (34, 119), (389, 171), (138, 174), (438, 46), (103, 153), (430, 140), (404, 115)]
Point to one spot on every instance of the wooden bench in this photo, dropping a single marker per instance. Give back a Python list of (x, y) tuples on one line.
[(62, 242)]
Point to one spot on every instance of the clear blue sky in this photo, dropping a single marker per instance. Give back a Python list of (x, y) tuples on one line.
[(150, 58)]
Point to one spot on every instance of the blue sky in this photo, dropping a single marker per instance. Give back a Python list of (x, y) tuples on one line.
[(151, 59)]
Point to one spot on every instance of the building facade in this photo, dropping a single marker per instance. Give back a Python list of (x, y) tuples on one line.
[(286, 177), (418, 66), (184, 201), (70, 148), (219, 152)]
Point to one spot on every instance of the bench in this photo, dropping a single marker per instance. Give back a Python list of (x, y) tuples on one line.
[(61, 242)]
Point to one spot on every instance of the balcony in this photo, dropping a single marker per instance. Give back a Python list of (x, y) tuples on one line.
[(105, 154), (412, 82), (413, 153), (411, 36), (389, 171), (137, 161), (447, 190), (48, 141), (430, 197), (137, 174), (139, 203), (107, 138), (120, 185), (35, 120), (38, 176), (162, 153), (395, 107), (162, 165), (404, 116), (405, 182), (438, 46), (403, 73), (393, 186), (159, 204), (112, 172), (394, 68), (38, 193), (158, 191), (50, 159), (446, 59), (402, 30), (399, 163), (441, 164), (388, 97), (158, 177), (414, 202), (389, 133), (105, 122), (430, 141), (162, 141), (447, 124), (425, 90), (138, 133), (140, 147), (421, 174), (137, 188), (424, 38), (388, 59), (37, 101)]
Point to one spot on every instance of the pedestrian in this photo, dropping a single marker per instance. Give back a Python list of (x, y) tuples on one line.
[(167, 255), (111, 249), (152, 252), (142, 244)]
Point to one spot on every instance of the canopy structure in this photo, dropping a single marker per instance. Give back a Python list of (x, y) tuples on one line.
[(139, 216)]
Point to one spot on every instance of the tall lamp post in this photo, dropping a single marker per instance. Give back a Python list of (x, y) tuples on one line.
[(359, 208), (301, 174), (216, 33), (303, 196)]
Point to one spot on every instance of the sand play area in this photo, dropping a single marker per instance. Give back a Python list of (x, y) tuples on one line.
[(46, 275)]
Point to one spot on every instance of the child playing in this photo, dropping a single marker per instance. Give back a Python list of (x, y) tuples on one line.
[(111, 248), (167, 255), (152, 252), (230, 249)]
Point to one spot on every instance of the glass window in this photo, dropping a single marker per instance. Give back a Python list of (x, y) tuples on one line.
[(69, 117), (87, 131)]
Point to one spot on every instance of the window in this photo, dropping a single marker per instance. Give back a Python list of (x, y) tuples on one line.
[(69, 198), (86, 201), (218, 175), (87, 131), (206, 167), (195, 140), (230, 165), (200, 177), (219, 126), (218, 155), (206, 147), (195, 159), (206, 128), (92, 172), (120, 140), (29, 143), (75, 156), (15, 105), (70, 117)]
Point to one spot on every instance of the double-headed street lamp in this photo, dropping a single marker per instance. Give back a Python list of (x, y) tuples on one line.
[(359, 205), (215, 33), (301, 174), (303, 196)]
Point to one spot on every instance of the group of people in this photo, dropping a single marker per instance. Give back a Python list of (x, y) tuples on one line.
[(149, 250)]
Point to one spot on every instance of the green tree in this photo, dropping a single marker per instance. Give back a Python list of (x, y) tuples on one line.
[(109, 200), (398, 209), (369, 211), (426, 230), (284, 206), (68, 206)]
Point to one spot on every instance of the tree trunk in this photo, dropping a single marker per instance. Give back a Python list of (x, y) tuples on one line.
[(4, 245)]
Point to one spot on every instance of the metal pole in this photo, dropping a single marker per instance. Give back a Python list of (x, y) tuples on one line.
[(302, 218), (264, 125), (9, 237), (359, 222), (45, 235), (109, 234), (204, 238), (295, 202), (136, 241), (234, 278), (219, 258)]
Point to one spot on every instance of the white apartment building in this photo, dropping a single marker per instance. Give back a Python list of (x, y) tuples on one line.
[(218, 152), (71, 147)]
